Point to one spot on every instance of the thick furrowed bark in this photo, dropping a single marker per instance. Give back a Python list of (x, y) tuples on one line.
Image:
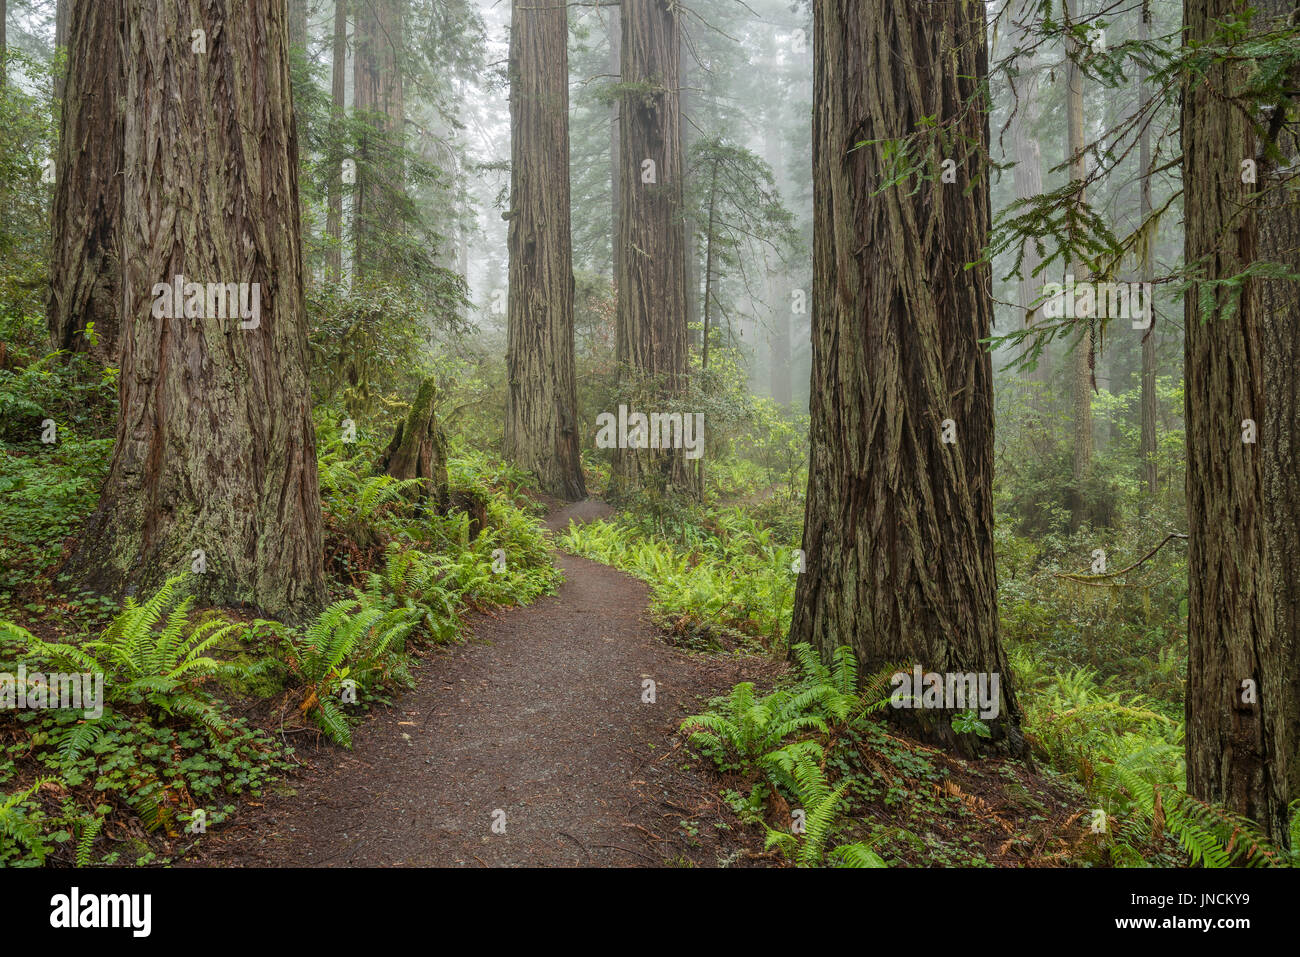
[(1279, 310), (899, 525), (1233, 753), (215, 448), (651, 249), (541, 400), (85, 274)]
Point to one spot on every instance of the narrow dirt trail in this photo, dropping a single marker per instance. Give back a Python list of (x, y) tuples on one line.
[(537, 726)]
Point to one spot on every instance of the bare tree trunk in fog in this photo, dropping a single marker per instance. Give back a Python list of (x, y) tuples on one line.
[(1082, 365), (377, 94), (1147, 444), (297, 24), (778, 339), (689, 135), (651, 347), (338, 77), (615, 168), (541, 431), (1028, 173)]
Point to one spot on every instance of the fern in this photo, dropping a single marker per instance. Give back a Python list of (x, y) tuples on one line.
[(821, 806), (349, 629), (18, 825), (86, 842), (150, 652)]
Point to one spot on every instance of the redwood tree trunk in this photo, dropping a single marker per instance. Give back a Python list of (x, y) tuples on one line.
[(1279, 309), (1082, 365), (541, 431), (62, 14), (651, 340), (85, 269), (334, 213), (378, 95), (1147, 441), (615, 167), (778, 284), (1028, 173), (215, 448), (899, 525), (298, 24), (1233, 752)]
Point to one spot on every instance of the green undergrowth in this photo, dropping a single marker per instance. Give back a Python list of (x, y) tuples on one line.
[(193, 699), (813, 765), (1127, 750), (164, 746), (774, 747), (725, 583), (54, 413)]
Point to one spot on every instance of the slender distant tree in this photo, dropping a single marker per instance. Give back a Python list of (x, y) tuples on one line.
[(1081, 368), (4, 42), (1146, 255), (62, 14), (338, 108), (651, 323), (615, 167), (1235, 675), (778, 287), (298, 24), (898, 533), (85, 268), (214, 459), (541, 430), (378, 93), (1027, 176)]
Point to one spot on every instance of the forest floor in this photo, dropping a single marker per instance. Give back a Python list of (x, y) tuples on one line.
[(537, 725), (539, 716)]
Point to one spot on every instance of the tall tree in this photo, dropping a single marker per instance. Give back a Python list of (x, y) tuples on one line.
[(62, 14), (85, 269), (1235, 666), (378, 96), (615, 167), (898, 529), (298, 24), (1081, 369), (1279, 306), (1146, 256), (777, 270), (541, 399), (1028, 173), (689, 122), (4, 41), (215, 448), (651, 324), (338, 106)]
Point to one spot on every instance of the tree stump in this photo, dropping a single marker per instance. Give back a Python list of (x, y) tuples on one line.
[(419, 450)]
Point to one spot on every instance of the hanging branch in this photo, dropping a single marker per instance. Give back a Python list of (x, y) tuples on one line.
[(1097, 579)]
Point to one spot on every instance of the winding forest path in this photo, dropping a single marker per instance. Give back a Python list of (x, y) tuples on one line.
[(539, 718)]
